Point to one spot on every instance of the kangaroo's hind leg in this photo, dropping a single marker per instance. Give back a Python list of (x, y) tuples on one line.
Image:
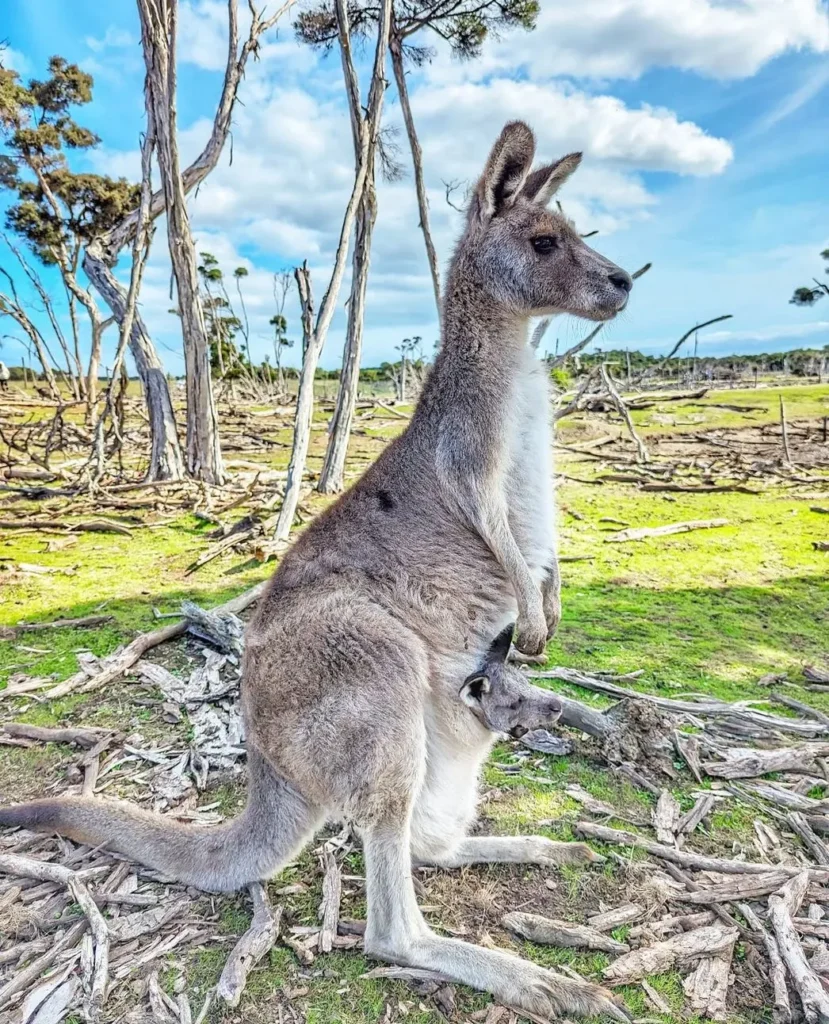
[(397, 932)]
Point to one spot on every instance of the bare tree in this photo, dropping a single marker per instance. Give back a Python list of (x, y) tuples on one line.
[(101, 255), (315, 332), (368, 124), (463, 24), (140, 251), (159, 26), (11, 306)]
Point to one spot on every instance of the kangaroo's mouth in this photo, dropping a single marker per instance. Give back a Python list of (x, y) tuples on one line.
[(518, 731)]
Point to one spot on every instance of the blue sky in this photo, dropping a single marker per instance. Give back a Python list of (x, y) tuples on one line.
[(704, 123)]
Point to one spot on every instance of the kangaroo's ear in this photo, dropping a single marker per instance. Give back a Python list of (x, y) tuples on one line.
[(542, 184), (508, 165), (474, 688), (499, 648)]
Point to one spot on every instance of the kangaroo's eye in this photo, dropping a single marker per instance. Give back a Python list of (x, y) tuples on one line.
[(544, 243)]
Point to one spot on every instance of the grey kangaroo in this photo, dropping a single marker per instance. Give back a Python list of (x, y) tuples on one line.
[(392, 596), (501, 697)]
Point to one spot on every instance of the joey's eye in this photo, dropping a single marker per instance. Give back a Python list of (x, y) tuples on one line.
[(545, 243)]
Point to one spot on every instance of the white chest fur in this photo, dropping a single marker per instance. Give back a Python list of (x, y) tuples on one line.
[(529, 483)]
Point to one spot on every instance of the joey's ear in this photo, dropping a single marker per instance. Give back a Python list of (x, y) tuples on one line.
[(499, 648), (542, 184), (474, 688), (508, 165)]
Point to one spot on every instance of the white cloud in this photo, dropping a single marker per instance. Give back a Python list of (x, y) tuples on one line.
[(773, 333), (113, 39), (624, 38), (14, 60), (457, 120), (811, 85)]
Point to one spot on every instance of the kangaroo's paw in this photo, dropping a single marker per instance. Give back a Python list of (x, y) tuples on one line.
[(549, 996)]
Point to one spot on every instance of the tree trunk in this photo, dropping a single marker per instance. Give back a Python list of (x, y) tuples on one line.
[(396, 48), (314, 335), (158, 31), (166, 461), (333, 467), (365, 131)]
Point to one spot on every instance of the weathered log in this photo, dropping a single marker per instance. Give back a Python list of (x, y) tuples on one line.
[(783, 906), (777, 972), (713, 940), (683, 857), (257, 941), (82, 737), (749, 887), (749, 764), (9, 632), (642, 533), (666, 816), (551, 932), (626, 914), (707, 986)]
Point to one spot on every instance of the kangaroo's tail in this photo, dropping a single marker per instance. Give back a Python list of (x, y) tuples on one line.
[(273, 827)]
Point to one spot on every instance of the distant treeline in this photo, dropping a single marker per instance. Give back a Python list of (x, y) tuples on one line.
[(798, 362)]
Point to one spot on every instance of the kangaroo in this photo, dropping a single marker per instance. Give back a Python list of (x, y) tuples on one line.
[(503, 700), (353, 656)]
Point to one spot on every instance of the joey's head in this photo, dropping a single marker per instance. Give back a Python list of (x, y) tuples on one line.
[(501, 697), (529, 258)]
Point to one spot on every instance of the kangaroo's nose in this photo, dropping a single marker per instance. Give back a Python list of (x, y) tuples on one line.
[(621, 280)]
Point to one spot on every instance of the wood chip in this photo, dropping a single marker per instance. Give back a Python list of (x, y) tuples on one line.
[(707, 986), (666, 816)]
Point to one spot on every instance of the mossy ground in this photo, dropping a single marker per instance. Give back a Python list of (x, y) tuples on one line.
[(709, 611)]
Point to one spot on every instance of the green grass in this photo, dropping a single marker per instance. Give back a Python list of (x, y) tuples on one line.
[(708, 611)]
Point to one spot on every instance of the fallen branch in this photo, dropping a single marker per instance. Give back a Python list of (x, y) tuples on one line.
[(777, 972), (748, 764), (643, 532), (9, 632), (331, 896), (663, 956), (683, 857), (82, 737), (100, 935), (561, 933), (783, 906), (117, 664), (249, 950), (91, 526)]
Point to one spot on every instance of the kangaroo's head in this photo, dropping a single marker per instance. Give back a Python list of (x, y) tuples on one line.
[(525, 256), (502, 699)]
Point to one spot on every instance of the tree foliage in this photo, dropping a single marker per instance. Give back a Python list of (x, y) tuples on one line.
[(807, 296), (56, 210), (463, 24)]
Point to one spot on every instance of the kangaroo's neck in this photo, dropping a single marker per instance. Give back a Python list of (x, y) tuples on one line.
[(482, 346)]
